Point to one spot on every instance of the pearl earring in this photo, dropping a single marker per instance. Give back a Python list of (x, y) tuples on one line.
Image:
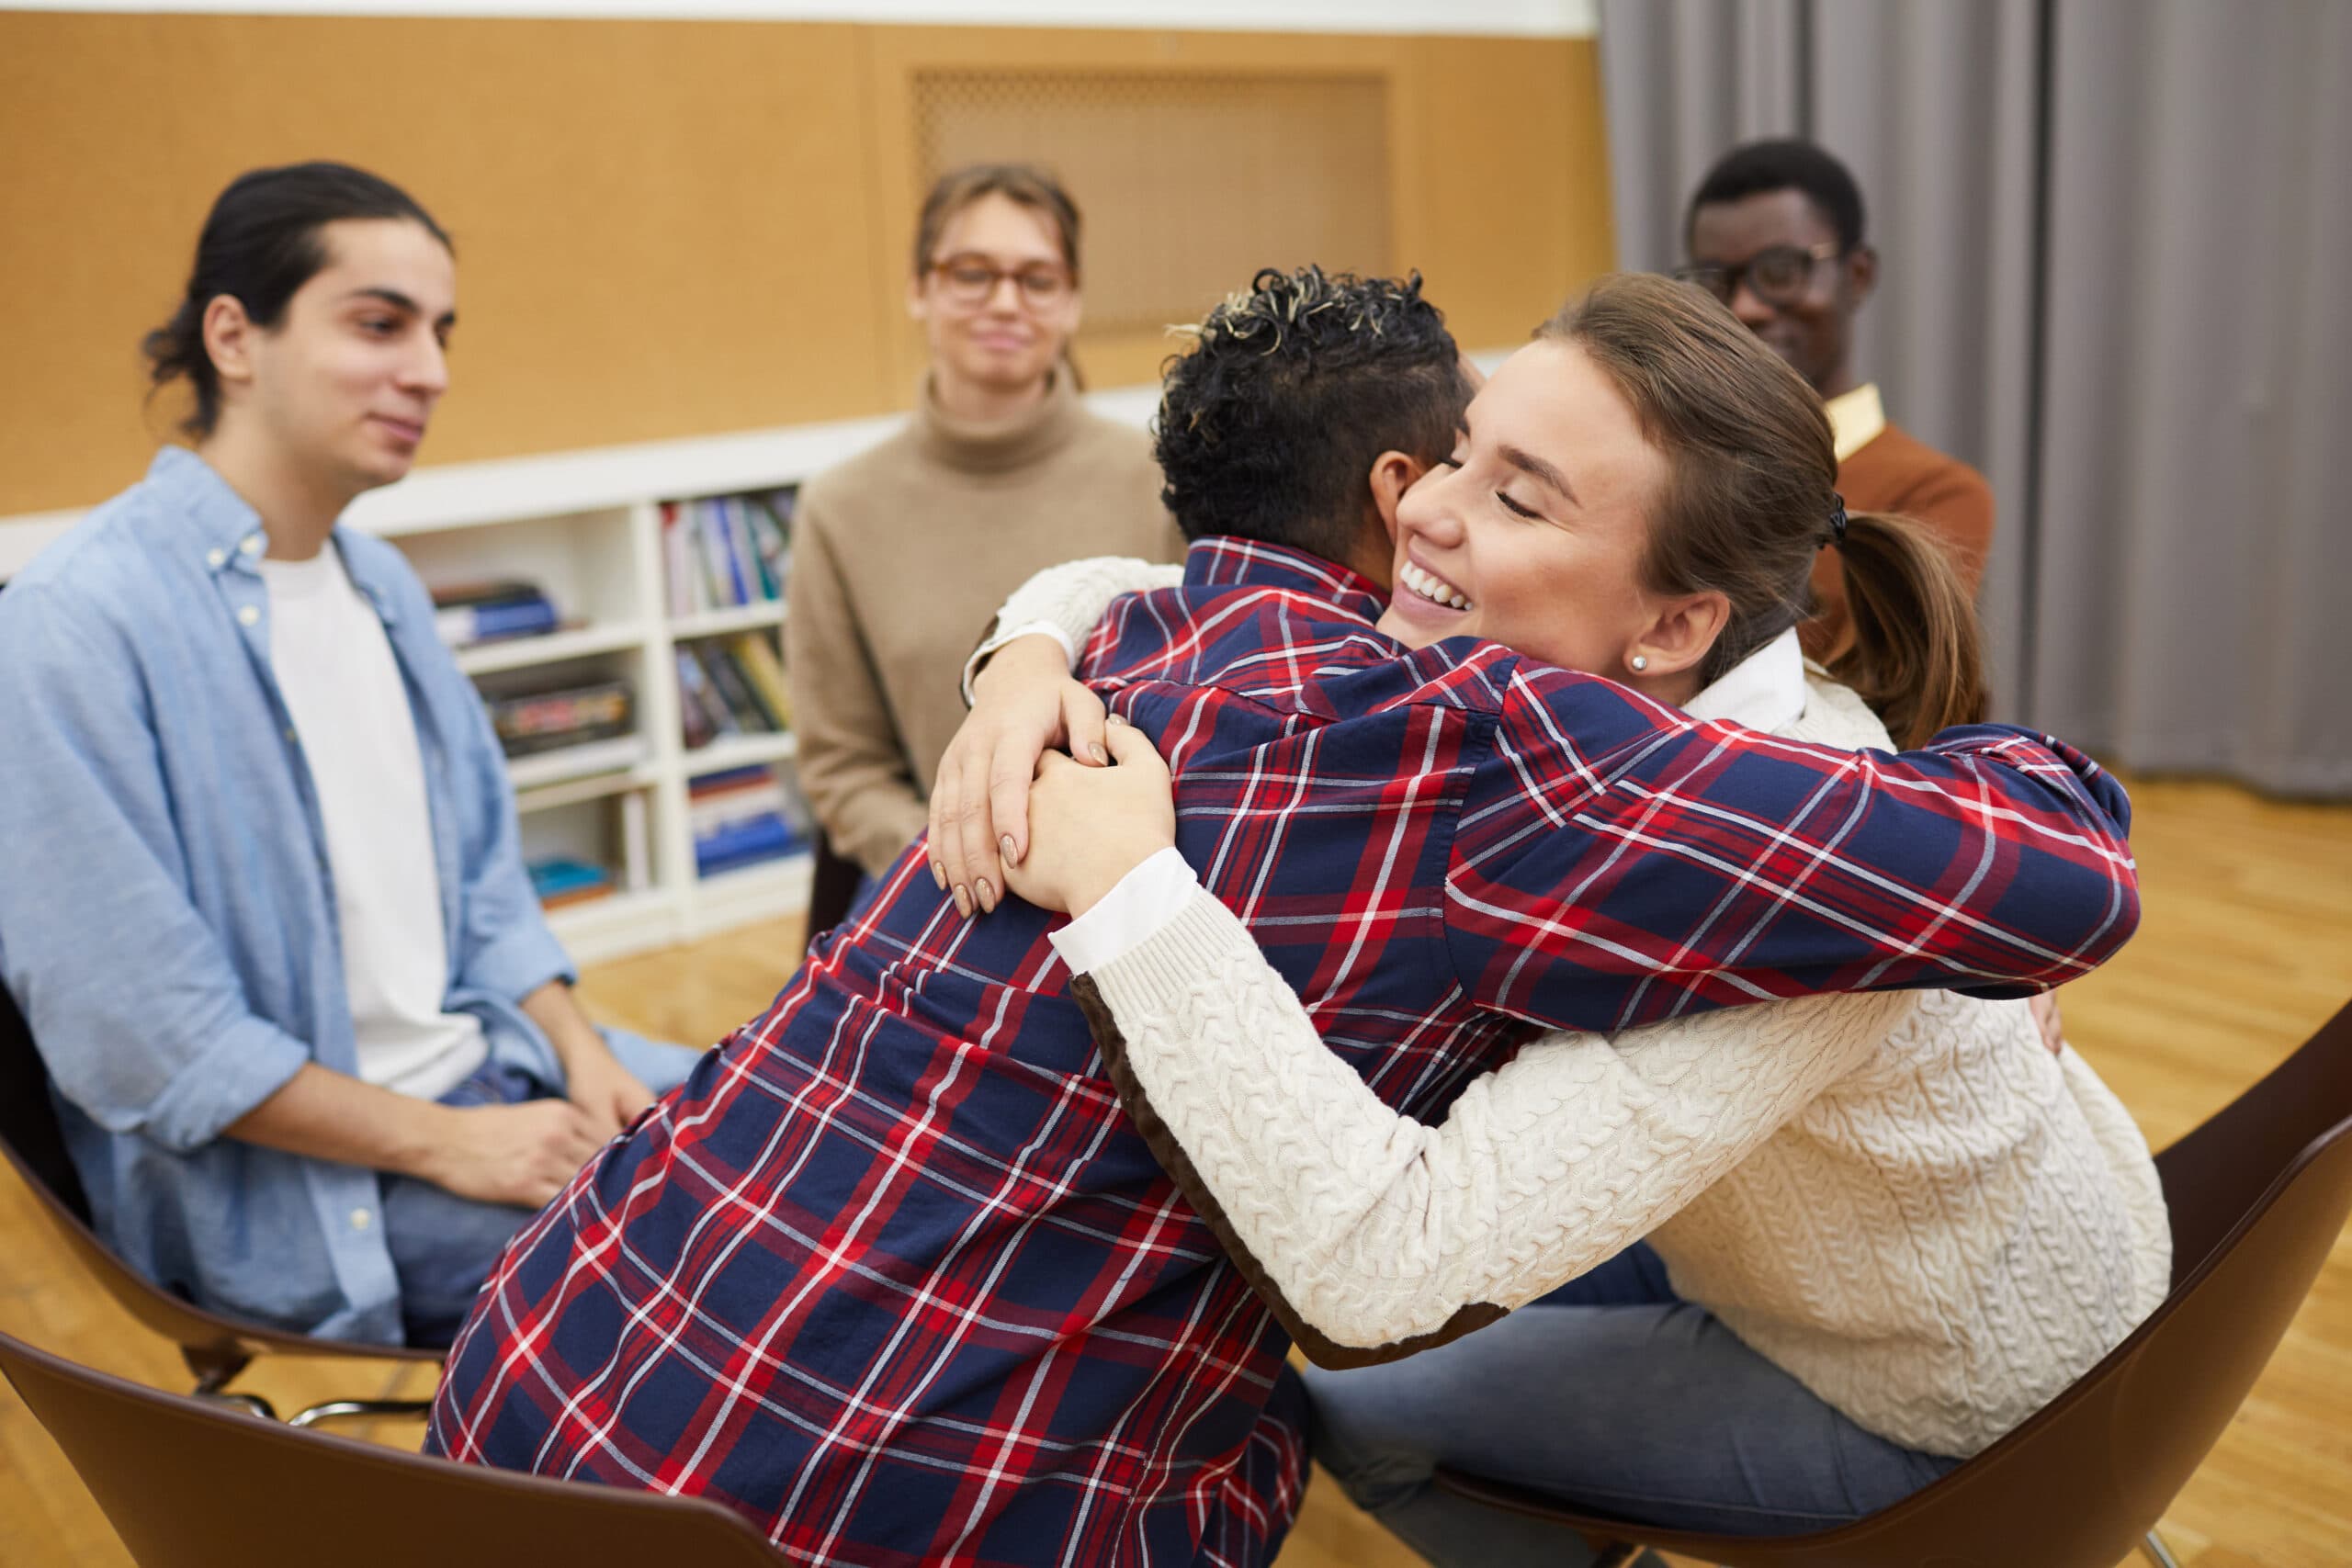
[(1640, 663)]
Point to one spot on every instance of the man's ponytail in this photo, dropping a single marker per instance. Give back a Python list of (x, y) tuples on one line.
[(1917, 657)]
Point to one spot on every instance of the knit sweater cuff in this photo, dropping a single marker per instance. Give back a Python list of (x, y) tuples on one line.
[(1151, 980)]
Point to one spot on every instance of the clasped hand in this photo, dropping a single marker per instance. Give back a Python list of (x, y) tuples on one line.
[(1058, 828)]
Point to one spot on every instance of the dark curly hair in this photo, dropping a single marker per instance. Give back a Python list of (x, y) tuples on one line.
[(1269, 427)]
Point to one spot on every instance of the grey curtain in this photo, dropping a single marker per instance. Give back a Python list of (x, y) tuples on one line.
[(2106, 228)]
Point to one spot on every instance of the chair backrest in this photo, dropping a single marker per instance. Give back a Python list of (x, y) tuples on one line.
[(833, 888), (190, 1484), (28, 1129), (2260, 1194), (2215, 1175)]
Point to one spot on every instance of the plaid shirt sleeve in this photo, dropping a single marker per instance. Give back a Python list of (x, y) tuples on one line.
[(1617, 863)]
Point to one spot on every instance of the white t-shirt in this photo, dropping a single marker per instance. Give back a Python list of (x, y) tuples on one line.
[(344, 688)]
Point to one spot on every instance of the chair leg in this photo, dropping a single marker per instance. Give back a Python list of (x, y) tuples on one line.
[(251, 1403), (2152, 1546), (213, 1373), (362, 1409)]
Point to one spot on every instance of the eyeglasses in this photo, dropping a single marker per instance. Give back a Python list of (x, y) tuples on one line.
[(1778, 274), (969, 278)]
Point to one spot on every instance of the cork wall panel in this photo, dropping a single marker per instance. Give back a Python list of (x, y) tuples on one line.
[(670, 229), (1194, 180), (1514, 183), (656, 231), (1090, 103)]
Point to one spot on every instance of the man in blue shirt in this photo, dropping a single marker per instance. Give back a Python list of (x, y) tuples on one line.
[(261, 899)]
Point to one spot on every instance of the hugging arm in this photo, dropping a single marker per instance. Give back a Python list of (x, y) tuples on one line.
[(1372, 1235), (1616, 862)]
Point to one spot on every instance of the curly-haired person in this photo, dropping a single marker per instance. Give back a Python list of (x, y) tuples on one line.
[(893, 1275)]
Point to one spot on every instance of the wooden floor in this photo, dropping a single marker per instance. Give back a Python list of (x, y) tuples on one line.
[(2246, 945)]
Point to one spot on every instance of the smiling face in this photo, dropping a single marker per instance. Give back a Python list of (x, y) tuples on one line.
[(1008, 340), (345, 384), (1532, 534)]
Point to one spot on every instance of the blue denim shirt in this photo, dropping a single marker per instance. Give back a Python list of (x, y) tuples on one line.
[(167, 914)]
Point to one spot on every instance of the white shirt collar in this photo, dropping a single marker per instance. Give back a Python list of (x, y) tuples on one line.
[(1856, 418), (1764, 690)]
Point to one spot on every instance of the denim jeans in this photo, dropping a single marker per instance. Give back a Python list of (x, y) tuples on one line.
[(1616, 1397), (443, 1245)]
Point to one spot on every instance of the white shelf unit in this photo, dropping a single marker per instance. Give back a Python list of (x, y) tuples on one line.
[(620, 803), (586, 527)]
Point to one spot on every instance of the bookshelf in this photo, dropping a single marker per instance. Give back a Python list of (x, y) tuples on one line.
[(587, 527)]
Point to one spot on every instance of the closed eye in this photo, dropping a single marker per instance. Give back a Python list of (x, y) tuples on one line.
[(1515, 509)]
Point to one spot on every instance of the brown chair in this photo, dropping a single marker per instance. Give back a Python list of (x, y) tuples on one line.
[(833, 888), (189, 1485), (2258, 1195), (216, 1346)]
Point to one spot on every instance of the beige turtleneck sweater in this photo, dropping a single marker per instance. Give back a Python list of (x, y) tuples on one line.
[(900, 557)]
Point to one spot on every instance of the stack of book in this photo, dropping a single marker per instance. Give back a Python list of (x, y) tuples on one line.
[(560, 881), (467, 612), (740, 818), (727, 550), (731, 685), (545, 717)]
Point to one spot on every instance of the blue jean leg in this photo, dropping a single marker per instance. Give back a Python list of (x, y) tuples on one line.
[(1650, 1411), (443, 1245), (443, 1248)]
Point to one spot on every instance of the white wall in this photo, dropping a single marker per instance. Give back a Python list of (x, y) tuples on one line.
[(1526, 18)]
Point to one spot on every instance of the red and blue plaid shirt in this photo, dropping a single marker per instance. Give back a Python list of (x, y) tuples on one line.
[(892, 1275)]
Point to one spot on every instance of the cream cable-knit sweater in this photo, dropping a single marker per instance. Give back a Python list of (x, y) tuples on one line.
[(1903, 1199)]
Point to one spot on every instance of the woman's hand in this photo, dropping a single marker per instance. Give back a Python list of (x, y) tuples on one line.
[(1023, 703), (1092, 826)]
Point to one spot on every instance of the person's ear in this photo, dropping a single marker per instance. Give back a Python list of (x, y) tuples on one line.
[(1393, 473), (229, 339), (1862, 272), (1679, 636), (918, 307)]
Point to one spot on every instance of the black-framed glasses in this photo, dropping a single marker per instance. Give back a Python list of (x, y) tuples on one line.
[(970, 278), (1778, 274)]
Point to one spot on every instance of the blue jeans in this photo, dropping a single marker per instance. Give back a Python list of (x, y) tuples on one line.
[(443, 1245), (1615, 1396)]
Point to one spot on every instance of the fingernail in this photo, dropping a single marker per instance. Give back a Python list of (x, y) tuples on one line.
[(1011, 851), (938, 877), (1114, 719), (962, 902), (987, 897), (1094, 749)]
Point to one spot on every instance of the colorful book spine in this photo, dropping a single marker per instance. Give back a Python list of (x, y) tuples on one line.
[(461, 625), (723, 551), (758, 658)]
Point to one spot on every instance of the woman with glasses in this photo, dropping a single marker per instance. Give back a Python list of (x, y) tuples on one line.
[(900, 554)]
